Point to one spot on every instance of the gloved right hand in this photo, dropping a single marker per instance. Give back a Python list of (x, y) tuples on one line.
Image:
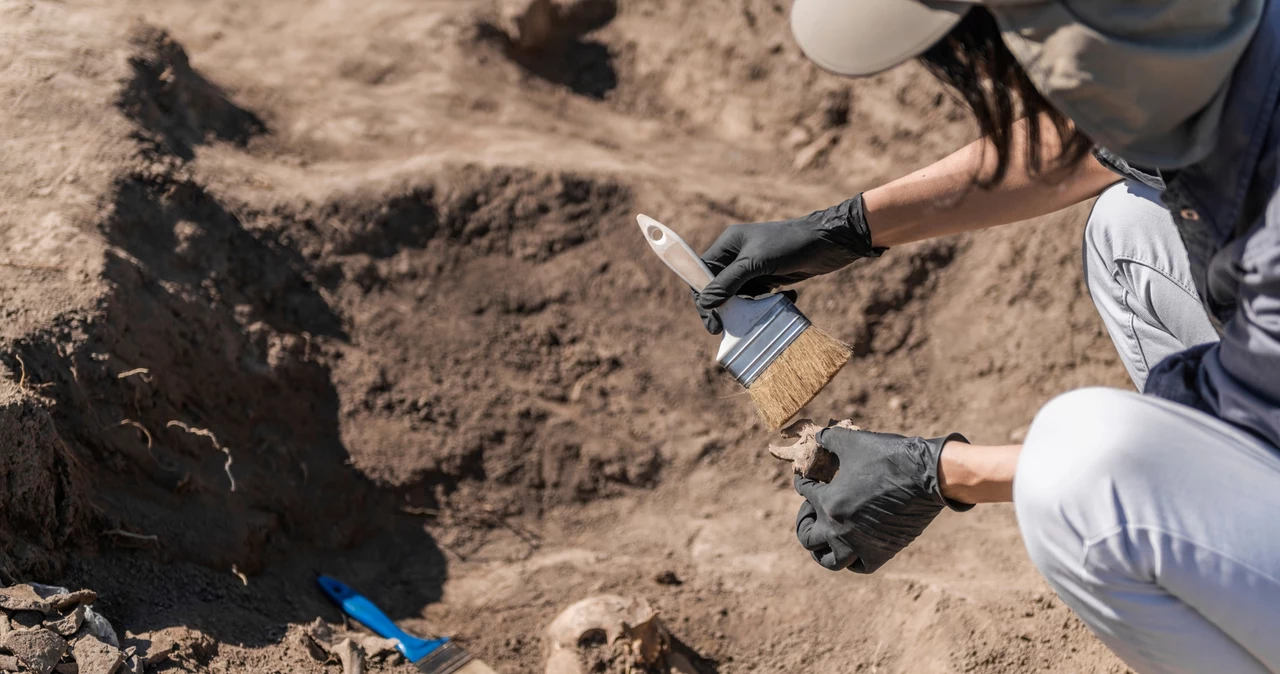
[(756, 259)]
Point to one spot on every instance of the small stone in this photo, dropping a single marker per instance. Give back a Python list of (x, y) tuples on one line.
[(815, 152), (8, 663), (895, 403), (22, 598), (38, 648), (797, 138), (95, 656), (668, 578), (67, 624)]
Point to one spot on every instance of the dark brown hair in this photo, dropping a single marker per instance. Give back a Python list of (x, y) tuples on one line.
[(975, 63)]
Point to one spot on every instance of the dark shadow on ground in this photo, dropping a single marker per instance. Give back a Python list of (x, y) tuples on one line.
[(583, 65), (200, 409), (175, 107)]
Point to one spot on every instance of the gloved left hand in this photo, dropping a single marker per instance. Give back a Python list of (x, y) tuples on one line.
[(885, 493)]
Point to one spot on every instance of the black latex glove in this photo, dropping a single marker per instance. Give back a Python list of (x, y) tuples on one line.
[(885, 493), (756, 259)]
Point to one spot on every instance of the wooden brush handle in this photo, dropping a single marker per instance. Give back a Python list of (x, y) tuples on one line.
[(675, 253)]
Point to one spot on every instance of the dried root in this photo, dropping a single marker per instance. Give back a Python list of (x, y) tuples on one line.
[(204, 432)]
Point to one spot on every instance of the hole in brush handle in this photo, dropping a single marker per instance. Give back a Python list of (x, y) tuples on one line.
[(675, 253)]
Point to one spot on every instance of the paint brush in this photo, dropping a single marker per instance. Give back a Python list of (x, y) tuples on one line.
[(431, 656), (769, 347)]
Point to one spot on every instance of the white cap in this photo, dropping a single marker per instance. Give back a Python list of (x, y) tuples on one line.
[(864, 37)]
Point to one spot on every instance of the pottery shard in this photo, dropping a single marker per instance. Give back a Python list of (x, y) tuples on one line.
[(22, 598), (806, 457), (38, 648), (95, 656), (67, 624)]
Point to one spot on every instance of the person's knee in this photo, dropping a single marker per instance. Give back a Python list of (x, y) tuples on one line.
[(1109, 222), (1082, 445)]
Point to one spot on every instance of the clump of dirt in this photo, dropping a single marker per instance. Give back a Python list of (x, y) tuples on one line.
[(550, 24), (47, 498)]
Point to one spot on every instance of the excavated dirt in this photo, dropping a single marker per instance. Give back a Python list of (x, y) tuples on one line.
[(355, 288)]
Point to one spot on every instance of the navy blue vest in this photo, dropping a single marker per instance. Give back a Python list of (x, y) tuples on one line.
[(1219, 199)]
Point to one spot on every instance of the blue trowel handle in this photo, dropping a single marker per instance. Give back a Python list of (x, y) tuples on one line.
[(365, 611)]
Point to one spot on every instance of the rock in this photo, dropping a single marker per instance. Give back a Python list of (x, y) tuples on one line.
[(806, 457), (38, 648), (8, 663), (133, 665), (95, 656), (22, 598), (180, 643), (62, 601), (68, 624), (155, 656), (668, 578)]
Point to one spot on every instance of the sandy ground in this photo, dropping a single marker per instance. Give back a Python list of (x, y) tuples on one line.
[(391, 266)]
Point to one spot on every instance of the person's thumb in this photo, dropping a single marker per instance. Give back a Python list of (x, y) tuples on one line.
[(727, 283)]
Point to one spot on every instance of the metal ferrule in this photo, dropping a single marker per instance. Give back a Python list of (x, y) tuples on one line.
[(447, 659), (770, 336)]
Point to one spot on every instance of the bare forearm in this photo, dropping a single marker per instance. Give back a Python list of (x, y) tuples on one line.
[(978, 474), (942, 198)]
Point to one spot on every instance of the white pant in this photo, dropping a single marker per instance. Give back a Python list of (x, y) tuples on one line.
[(1157, 524)]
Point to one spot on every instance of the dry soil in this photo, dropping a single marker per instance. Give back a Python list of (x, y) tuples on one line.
[(383, 272)]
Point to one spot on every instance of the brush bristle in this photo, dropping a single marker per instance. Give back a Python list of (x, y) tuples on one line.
[(797, 375)]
